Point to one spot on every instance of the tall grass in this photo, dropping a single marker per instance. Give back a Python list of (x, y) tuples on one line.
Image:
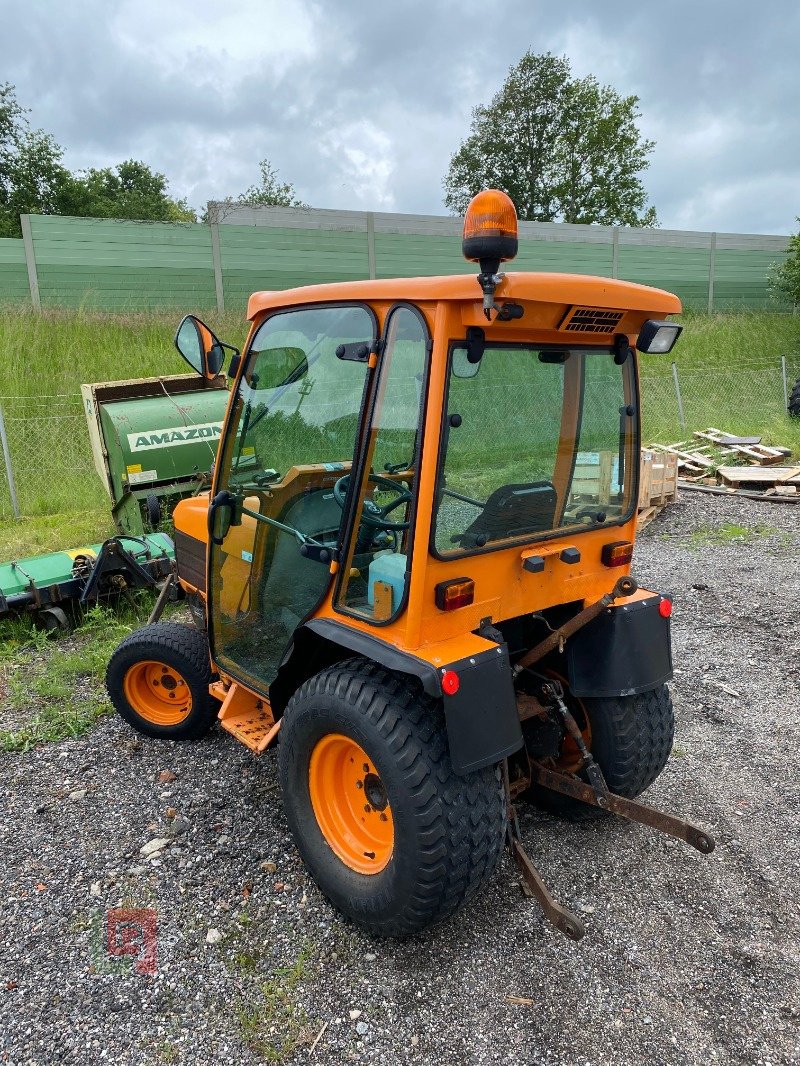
[(55, 352), (46, 357)]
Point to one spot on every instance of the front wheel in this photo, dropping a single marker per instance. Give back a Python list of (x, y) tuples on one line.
[(391, 835), (158, 681)]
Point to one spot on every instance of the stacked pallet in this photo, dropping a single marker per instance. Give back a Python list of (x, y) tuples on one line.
[(722, 458), (658, 483)]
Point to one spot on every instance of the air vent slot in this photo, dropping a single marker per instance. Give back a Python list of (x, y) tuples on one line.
[(591, 320)]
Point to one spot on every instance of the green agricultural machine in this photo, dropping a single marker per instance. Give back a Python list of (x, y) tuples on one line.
[(154, 441)]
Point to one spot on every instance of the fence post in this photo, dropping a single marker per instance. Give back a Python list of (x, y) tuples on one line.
[(12, 488), (30, 261), (712, 255), (785, 383), (371, 243), (216, 259), (678, 396)]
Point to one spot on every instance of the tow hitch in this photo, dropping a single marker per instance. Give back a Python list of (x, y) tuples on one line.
[(595, 794)]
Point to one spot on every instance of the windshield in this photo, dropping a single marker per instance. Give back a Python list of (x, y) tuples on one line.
[(536, 441)]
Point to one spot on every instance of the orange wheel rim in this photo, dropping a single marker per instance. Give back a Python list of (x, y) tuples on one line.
[(351, 804), (157, 692)]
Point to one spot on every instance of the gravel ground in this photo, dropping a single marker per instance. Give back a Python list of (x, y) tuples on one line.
[(687, 959)]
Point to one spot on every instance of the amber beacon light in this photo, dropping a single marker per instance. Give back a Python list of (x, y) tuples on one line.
[(490, 237), (490, 229)]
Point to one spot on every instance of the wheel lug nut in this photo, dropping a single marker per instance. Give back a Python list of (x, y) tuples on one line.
[(366, 768), (367, 808), (359, 784)]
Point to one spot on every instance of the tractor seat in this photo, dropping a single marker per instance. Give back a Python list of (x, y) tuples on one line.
[(513, 511)]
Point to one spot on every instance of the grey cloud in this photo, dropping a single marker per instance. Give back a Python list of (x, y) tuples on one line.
[(369, 111)]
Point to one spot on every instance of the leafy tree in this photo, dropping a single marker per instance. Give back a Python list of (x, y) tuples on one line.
[(563, 149), (270, 192), (31, 174), (130, 190), (784, 278)]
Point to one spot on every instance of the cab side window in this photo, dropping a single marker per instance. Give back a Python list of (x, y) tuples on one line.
[(374, 570)]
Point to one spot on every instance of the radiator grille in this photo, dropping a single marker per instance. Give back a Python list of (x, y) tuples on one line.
[(190, 556), (591, 320)]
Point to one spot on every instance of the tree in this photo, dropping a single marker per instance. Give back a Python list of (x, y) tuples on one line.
[(31, 174), (269, 193), (784, 278), (131, 190), (563, 149)]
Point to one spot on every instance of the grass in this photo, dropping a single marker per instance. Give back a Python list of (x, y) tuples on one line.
[(50, 533), (729, 366), (727, 533), (51, 690), (273, 1024)]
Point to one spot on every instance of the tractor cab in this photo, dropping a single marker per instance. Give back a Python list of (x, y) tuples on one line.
[(420, 533)]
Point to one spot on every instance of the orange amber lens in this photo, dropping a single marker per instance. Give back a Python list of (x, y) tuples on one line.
[(491, 213)]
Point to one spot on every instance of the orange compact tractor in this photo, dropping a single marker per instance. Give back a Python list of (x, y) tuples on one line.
[(412, 572)]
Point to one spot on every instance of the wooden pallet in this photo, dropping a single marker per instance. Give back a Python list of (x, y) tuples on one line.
[(658, 478), (753, 450), (763, 477)]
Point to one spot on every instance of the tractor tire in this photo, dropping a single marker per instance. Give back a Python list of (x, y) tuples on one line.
[(794, 400), (630, 738), (158, 681), (391, 835)]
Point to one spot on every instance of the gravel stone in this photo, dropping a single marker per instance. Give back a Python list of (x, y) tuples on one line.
[(689, 960)]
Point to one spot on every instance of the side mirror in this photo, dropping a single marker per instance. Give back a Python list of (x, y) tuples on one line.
[(199, 347)]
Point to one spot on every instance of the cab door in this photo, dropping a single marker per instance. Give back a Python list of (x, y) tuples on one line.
[(276, 517)]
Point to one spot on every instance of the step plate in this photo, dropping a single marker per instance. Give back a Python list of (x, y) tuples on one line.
[(251, 727)]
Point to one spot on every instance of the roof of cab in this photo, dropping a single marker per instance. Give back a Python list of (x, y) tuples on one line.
[(583, 289)]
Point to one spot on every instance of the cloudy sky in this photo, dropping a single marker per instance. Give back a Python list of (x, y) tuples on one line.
[(361, 104)]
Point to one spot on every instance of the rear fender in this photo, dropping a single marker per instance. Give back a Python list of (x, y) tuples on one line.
[(481, 716), (626, 650)]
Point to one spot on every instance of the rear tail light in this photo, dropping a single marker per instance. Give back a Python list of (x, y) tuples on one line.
[(665, 607), (618, 553), (450, 595)]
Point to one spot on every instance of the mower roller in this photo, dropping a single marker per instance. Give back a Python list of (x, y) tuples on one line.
[(405, 581)]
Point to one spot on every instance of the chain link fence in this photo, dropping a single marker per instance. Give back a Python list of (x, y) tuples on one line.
[(744, 399), (46, 465)]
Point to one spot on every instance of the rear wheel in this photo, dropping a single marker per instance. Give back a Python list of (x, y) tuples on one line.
[(158, 681), (630, 738), (391, 835)]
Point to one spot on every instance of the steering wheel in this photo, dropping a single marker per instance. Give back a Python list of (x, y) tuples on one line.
[(372, 514)]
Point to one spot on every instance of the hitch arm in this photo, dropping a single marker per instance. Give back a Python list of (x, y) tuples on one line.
[(625, 586), (532, 883), (633, 810)]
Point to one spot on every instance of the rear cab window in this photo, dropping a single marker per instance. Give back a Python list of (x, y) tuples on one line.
[(536, 441)]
